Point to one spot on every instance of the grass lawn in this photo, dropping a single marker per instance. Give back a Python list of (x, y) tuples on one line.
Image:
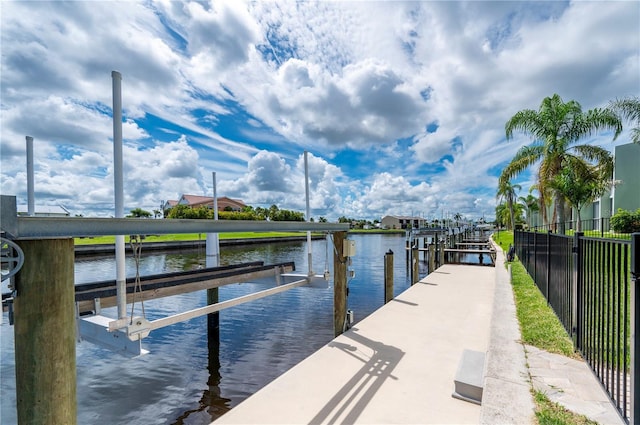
[(188, 237), (541, 328)]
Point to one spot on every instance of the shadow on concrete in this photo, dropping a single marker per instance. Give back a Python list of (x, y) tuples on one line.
[(395, 300), (350, 401)]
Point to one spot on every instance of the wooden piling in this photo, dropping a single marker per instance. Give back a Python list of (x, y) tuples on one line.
[(45, 333), (415, 260), (432, 258), (339, 283), (388, 276)]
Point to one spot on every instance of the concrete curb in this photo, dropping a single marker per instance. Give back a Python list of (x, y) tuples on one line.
[(507, 395)]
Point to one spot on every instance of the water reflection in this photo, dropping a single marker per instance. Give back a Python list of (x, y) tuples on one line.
[(189, 378)]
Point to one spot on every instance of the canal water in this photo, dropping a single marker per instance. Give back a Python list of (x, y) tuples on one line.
[(182, 381)]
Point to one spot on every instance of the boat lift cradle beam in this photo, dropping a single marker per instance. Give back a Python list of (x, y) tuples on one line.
[(140, 327)]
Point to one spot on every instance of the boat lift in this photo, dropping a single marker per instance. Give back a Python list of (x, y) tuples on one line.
[(134, 329)]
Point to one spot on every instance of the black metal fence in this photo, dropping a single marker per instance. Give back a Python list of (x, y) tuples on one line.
[(588, 283), (593, 227)]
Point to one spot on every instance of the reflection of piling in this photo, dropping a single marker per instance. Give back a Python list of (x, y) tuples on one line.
[(45, 333), (216, 403), (388, 276), (213, 320)]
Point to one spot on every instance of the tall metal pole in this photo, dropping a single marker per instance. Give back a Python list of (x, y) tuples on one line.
[(30, 178), (306, 190), (118, 188)]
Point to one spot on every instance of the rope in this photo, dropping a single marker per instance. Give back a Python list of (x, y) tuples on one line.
[(136, 247)]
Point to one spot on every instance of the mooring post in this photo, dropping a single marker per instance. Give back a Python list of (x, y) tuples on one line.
[(388, 276), (407, 244), (339, 283), (45, 333), (415, 260), (432, 257)]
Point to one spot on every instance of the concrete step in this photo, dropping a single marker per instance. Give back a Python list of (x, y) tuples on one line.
[(470, 377)]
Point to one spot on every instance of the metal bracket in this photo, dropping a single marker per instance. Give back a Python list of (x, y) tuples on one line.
[(95, 329), (138, 329), (12, 258)]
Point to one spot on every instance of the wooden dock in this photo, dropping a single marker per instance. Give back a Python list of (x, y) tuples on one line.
[(452, 255)]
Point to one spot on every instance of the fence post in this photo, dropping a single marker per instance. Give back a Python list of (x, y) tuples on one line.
[(535, 256), (388, 276), (635, 325), (576, 291), (548, 264)]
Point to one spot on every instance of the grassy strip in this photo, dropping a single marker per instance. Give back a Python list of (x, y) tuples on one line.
[(539, 325), (188, 237), (541, 328), (550, 413)]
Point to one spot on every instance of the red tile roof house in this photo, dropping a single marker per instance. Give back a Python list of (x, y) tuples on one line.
[(195, 201)]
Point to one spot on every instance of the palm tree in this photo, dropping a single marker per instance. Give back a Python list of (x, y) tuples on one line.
[(457, 217), (556, 128), (503, 215), (581, 184), (629, 109), (531, 204), (507, 192)]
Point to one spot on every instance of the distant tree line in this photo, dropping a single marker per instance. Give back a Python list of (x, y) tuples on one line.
[(273, 213)]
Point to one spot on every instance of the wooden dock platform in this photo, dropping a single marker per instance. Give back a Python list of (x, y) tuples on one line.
[(398, 365)]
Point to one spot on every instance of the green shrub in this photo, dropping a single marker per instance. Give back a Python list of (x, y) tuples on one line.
[(624, 221)]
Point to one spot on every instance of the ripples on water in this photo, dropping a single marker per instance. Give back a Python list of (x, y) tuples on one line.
[(178, 382)]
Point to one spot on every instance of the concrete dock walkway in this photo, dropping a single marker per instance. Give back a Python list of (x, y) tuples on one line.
[(395, 366)]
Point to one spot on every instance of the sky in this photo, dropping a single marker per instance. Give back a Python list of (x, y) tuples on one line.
[(401, 106)]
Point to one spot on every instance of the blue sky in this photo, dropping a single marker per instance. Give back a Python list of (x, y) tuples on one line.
[(401, 105)]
